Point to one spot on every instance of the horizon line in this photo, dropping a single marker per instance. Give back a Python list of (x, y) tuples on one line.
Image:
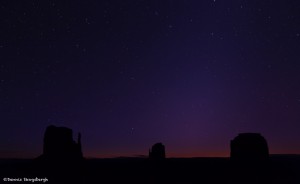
[(146, 156)]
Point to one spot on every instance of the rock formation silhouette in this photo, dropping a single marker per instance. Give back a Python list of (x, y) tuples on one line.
[(157, 152), (249, 146), (59, 144)]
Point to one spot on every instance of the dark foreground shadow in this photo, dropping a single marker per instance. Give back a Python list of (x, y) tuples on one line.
[(279, 169)]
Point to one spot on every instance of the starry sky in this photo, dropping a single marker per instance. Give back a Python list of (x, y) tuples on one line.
[(127, 74)]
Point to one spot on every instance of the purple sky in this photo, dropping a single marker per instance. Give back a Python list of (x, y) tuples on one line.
[(189, 74)]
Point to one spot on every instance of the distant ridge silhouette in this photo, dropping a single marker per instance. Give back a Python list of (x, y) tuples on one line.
[(157, 152), (249, 146)]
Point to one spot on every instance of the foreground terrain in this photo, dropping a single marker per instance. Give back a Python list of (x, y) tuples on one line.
[(278, 169)]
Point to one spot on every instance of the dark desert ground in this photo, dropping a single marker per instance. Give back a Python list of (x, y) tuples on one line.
[(279, 169)]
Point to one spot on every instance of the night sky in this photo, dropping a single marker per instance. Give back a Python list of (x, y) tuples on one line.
[(127, 74)]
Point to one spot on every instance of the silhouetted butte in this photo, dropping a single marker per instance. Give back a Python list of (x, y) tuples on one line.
[(59, 144), (249, 146), (157, 152)]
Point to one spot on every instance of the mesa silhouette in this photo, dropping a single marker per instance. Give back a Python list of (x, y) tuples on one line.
[(59, 144), (249, 146), (157, 152)]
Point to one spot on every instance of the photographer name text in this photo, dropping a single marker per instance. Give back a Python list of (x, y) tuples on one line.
[(32, 180)]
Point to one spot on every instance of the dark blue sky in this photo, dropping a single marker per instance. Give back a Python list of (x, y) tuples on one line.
[(128, 74)]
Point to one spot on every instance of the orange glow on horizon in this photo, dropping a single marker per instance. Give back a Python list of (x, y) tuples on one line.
[(171, 154), (168, 154)]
